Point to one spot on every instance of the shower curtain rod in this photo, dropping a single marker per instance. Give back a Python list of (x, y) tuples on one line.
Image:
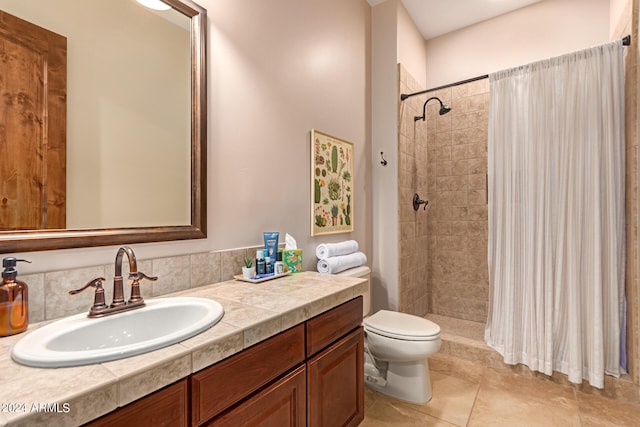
[(626, 41), (404, 96)]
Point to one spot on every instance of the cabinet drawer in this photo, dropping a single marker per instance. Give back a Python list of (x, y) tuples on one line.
[(281, 404), (327, 327), (223, 384), (166, 407)]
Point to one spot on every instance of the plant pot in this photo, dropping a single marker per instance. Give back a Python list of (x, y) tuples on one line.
[(248, 272)]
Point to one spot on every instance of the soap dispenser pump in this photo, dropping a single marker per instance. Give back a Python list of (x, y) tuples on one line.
[(14, 300)]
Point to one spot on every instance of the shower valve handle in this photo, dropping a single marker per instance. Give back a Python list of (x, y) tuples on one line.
[(417, 201)]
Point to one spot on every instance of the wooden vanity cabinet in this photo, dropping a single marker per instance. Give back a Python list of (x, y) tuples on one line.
[(311, 374), (332, 369)]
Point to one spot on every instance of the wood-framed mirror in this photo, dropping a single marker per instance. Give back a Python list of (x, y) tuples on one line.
[(92, 214)]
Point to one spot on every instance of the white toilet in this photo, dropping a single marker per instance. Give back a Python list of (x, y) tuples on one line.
[(397, 346)]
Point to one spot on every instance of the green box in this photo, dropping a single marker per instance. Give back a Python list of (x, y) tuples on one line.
[(292, 260)]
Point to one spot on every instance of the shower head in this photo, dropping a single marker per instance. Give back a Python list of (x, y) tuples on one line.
[(443, 109)]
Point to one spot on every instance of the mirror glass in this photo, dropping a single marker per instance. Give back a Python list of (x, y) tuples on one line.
[(135, 127)]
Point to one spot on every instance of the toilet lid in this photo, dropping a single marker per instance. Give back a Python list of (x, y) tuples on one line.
[(401, 326)]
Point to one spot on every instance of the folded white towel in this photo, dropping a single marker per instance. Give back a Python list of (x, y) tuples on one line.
[(340, 263), (328, 250)]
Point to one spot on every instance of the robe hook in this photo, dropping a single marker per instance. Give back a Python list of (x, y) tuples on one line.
[(383, 162)]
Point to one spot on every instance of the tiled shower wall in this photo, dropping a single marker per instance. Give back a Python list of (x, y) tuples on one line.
[(443, 249), (457, 270), (629, 25), (412, 178)]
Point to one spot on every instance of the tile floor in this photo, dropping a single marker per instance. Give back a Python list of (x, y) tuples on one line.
[(499, 397)]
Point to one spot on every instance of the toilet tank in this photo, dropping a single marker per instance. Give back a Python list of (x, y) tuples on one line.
[(362, 272)]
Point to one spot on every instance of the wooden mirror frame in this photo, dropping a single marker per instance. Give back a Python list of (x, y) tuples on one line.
[(40, 240)]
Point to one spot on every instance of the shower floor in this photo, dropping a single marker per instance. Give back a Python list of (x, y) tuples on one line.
[(464, 339), (463, 351), (459, 327)]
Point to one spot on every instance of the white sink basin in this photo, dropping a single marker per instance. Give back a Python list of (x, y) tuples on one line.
[(78, 340)]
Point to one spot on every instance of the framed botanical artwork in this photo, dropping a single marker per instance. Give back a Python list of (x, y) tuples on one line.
[(331, 184)]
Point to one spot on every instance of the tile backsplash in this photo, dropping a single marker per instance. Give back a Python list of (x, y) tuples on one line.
[(49, 291)]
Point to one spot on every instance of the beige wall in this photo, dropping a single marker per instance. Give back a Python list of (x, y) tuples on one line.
[(619, 17), (542, 30), (395, 39), (384, 138), (411, 47), (279, 69), (276, 70)]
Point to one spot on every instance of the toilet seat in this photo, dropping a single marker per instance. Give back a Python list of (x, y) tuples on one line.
[(402, 326)]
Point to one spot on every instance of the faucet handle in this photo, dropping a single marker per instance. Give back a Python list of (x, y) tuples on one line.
[(139, 275), (98, 299), (136, 298)]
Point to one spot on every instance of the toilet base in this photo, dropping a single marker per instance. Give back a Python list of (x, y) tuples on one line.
[(408, 381)]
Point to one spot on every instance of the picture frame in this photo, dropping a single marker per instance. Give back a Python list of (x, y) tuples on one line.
[(332, 174)]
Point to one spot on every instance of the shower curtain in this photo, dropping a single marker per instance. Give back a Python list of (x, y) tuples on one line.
[(556, 214)]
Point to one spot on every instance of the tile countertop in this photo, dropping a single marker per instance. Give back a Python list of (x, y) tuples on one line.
[(253, 312)]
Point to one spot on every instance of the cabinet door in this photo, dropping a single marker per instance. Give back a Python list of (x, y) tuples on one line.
[(166, 407), (280, 404), (335, 384)]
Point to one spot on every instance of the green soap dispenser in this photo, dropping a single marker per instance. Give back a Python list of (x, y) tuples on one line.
[(14, 300)]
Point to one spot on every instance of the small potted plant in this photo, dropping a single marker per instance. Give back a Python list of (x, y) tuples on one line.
[(248, 270)]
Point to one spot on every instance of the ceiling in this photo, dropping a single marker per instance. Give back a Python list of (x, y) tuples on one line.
[(436, 17)]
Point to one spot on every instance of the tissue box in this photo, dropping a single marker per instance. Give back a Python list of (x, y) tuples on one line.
[(292, 259)]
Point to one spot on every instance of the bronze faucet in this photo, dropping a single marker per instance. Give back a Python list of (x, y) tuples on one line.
[(99, 308)]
